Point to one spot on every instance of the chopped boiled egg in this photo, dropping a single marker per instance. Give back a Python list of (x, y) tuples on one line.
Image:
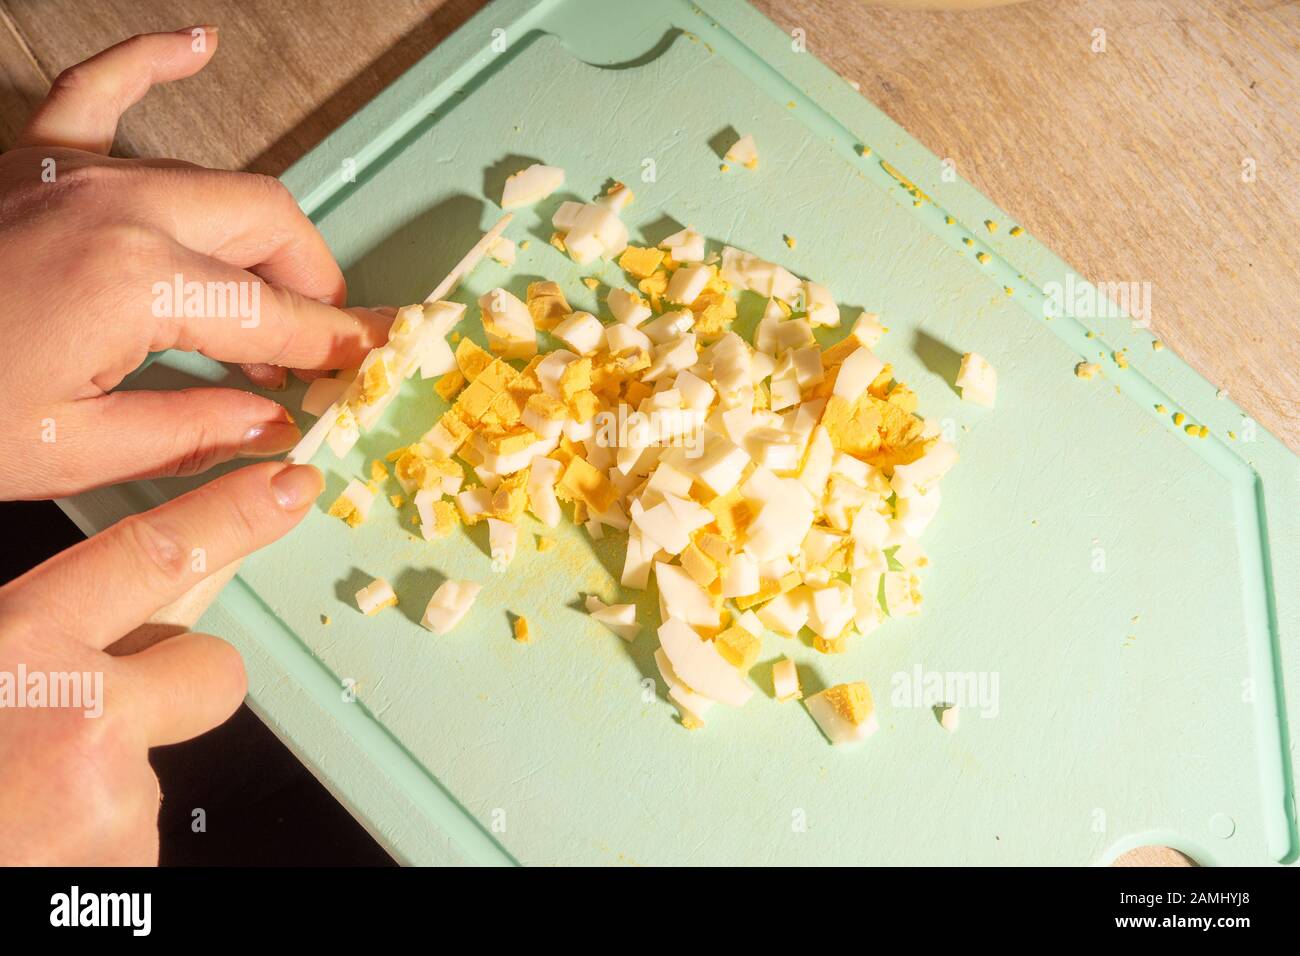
[(581, 331), (503, 540), (948, 717), (977, 380), (700, 666), (353, 505), (627, 308), (376, 596), (690, 705), (767, 485), (531, 185), (321, 394), (686, 245), (503, 251), (785, 680), (509, 325), (619, 618), (592, 232), (449, 605), (845, 713), (744, 151)]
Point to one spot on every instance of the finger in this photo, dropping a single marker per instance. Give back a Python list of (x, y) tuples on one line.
[(311, 374), (147, 561), (246, 220), (256, 322), (86, 101), (182, 687), (127, 435), (273, 378)]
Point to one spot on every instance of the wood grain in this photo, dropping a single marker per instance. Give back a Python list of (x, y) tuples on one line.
[(1128, 163)]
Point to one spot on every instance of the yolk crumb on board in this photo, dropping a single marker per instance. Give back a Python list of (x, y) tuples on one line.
[(1016, 230), (990, 225), (1179, 418), (1157, 345), (982, 257), (523, 634)]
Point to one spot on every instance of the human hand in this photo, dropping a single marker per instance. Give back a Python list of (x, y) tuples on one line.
[(79, 790), (90, 247)]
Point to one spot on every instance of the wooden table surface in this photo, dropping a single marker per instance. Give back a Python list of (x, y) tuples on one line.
[(1170, 156)]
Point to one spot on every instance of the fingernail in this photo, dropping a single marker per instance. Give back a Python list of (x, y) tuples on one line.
[(273, 378), (297, 486), (268, 438)]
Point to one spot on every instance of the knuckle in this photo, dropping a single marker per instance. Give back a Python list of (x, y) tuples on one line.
[(157, 546), (198, 449), (123, 241), (272, 187), (78, 79)]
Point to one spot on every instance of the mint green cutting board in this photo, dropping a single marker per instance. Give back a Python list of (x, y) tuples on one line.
[(1131, 589)]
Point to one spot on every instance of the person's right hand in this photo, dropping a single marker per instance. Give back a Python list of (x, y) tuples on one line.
[(78, 790), (90, 247)]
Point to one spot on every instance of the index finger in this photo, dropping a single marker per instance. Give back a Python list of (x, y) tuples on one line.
[(232, 315)]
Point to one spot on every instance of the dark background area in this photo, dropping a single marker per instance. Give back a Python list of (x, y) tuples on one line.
[(262, 807)]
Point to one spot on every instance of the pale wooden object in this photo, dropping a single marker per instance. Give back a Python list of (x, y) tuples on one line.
[(1127, 163)]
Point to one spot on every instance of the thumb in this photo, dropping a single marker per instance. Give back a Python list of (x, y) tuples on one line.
[(87, 100), (183, 687), (148, 560)]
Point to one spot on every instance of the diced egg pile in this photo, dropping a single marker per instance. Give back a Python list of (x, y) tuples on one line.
[(766, 486)]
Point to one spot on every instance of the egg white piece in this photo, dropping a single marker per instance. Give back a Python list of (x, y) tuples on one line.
[(688, 702), (627, 307), (580, 331), (686, 245), (503, 540), (321, 394), (531, 185), (376, 596), (837, 728), (743, 151), (619, 618), (978, 380), (785, 680), (503, 250), (449, 604), (700, 666)]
